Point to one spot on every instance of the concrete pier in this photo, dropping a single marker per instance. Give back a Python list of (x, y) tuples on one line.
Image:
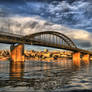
[(17, 52), (76, 58), (86, 58)]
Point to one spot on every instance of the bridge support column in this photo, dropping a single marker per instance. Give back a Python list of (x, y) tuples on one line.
[(76, 58), (86, 58), (17, 52)]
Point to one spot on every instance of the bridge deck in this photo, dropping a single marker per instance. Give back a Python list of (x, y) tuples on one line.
[(13, 38)]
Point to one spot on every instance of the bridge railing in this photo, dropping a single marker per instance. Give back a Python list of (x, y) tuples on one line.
[(10, 34)]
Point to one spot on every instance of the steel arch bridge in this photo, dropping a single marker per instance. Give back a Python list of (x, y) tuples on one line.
[(49, 38), (46, 38)]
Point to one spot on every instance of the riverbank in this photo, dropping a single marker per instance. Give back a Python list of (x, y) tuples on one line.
[(36, 55), (4, 55), (4, 58)]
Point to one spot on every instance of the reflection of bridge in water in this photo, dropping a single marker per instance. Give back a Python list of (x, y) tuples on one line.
[(36, 73), (46, 38)]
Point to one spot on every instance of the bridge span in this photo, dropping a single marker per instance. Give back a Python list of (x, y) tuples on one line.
[(46, 38)]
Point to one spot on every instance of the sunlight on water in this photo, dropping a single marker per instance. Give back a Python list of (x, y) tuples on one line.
[(44, 76)]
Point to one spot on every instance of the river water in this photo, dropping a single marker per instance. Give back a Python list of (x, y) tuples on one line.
[(43, 76)]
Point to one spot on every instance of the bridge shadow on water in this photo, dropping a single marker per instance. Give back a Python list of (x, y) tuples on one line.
[(44, 76)]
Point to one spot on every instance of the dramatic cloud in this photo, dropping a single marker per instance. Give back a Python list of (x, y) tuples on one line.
[(12, 1), (33, 17), (27, 25), (85, 44)]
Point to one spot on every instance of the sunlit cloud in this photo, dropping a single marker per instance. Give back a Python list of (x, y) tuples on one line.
[(29, 25)]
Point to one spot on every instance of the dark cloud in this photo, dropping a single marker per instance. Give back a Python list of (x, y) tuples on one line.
[(84, 44), (10, 0), (13, 1)]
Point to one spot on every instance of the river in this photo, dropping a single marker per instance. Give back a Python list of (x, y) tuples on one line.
[(43, 76)]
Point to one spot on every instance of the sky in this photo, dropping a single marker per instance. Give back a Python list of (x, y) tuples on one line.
[(74, 19)]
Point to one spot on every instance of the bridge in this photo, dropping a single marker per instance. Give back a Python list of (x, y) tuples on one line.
[(46, 38)]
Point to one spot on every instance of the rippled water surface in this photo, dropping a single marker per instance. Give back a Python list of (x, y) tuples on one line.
[(37, 76)]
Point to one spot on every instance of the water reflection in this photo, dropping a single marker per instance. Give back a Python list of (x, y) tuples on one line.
[(16, 70), (59, 75), (76, 63), (86, 62)]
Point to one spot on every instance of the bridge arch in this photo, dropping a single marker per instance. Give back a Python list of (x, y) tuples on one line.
[(51, 37)]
